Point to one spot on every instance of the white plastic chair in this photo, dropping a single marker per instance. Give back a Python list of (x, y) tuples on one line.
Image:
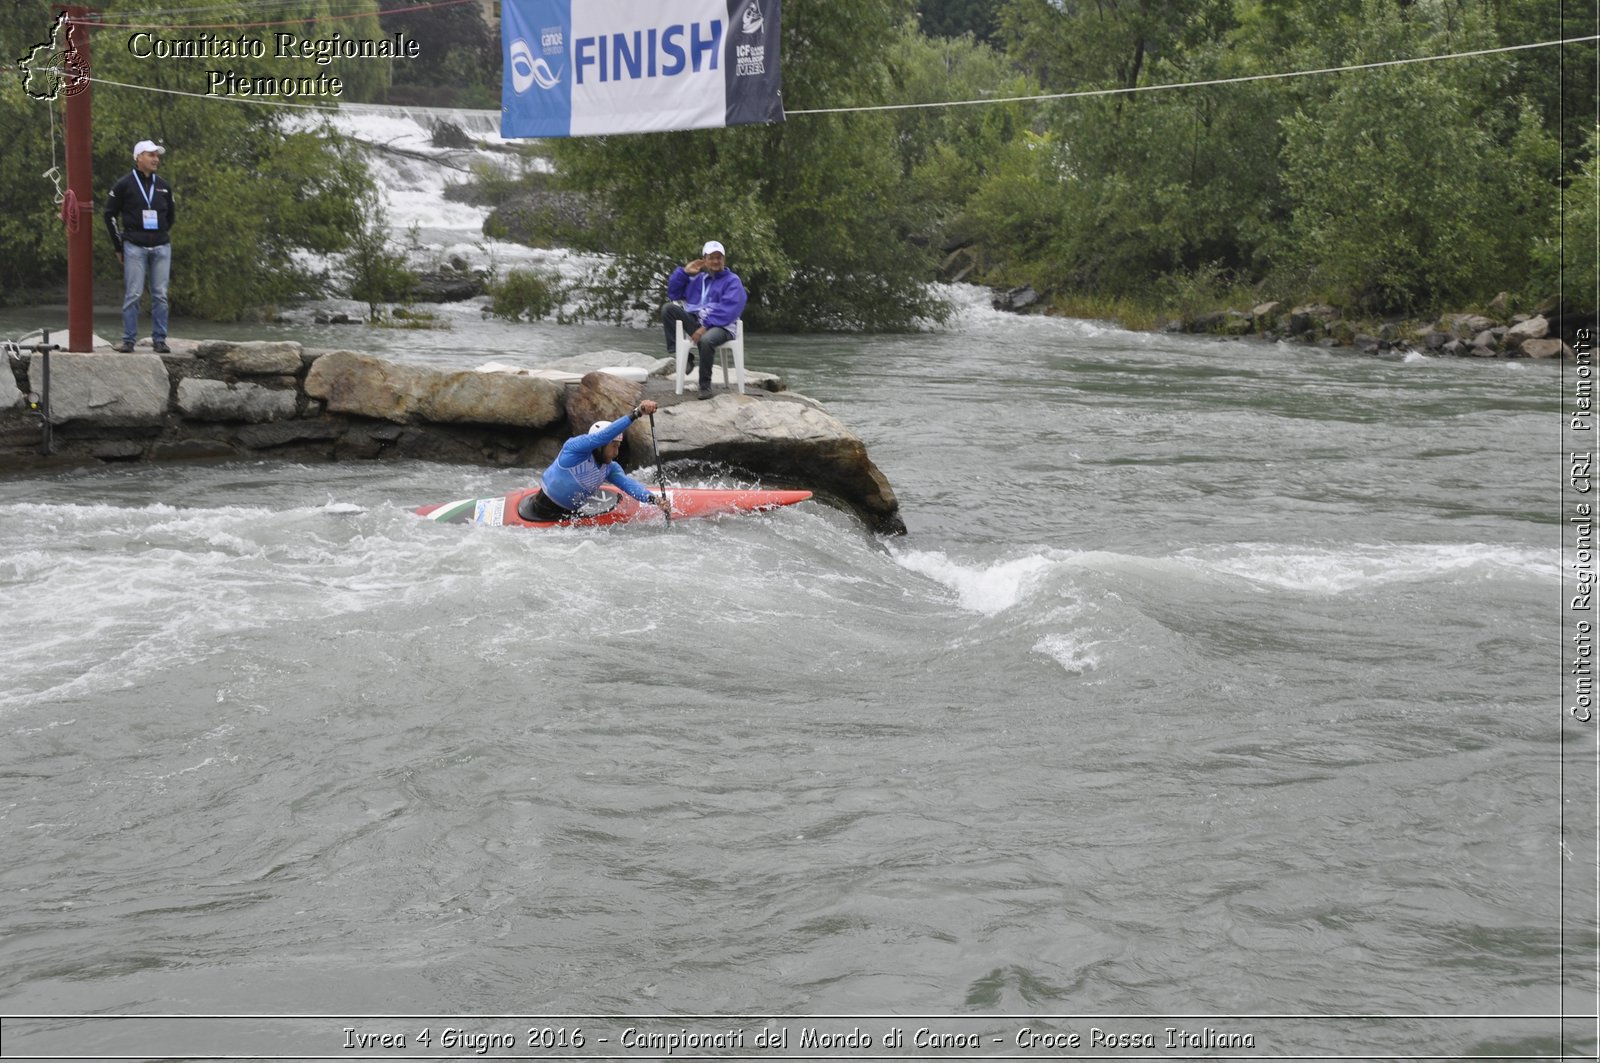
[(735, 345)]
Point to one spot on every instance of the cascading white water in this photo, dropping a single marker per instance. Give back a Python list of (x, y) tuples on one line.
[(413, 174)]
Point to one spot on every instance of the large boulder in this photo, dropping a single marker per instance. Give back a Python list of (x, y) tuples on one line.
[(483, 398), (10, 395), (652, 364), (1015, 300), (447, 287), (787, 437), (600, 397), (216, 400), (1535, 328), (1465, 325), (1309, 317), (1546, 348), (254, 357), (366, 386), (360, 384), (109, 389)]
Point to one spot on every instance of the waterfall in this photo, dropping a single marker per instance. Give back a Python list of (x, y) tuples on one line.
[(413, 173)]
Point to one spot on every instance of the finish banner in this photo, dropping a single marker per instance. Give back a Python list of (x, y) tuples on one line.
[(584, 67)]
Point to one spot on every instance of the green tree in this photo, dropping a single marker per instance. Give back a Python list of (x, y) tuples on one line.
[(1563, 85), (257, 186), (947, 152), (1070, 46), (1418, 186), (955, 18), (1392, 188), (1134, 187), (1565, 258), (458, 64), (374, 268)]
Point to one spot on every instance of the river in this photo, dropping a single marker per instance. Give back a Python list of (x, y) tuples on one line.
[(1215, 687)]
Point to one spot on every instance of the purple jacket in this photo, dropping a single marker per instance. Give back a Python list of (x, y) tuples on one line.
[(718, 299)]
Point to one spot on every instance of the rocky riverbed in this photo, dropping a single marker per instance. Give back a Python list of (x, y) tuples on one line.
[(1536, 335), (1546, 332), (230, 401)]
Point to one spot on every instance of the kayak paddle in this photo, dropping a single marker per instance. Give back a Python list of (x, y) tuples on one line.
[(661, 472)]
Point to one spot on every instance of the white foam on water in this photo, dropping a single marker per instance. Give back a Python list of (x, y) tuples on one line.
[(107, 593), (987, 589), (1076, 656), (974, 309), (1063, 627), (1363, 566), (412, 174)]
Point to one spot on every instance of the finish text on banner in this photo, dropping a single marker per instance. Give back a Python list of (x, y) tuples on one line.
[(588, 67)]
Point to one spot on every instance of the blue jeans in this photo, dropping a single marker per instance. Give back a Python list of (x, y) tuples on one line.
[(137, 263)]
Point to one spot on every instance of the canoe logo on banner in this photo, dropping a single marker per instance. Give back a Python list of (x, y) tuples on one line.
[(753, 22), (490, 511), (527, 71)]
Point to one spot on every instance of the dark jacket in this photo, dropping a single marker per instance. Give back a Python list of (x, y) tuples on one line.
[(126, 204)]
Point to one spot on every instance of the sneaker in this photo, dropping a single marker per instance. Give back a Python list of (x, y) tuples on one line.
[(689, 365), (705, 393), (162, 348), (125, 347)]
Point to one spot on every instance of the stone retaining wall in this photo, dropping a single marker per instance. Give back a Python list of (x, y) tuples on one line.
[(220, 401)]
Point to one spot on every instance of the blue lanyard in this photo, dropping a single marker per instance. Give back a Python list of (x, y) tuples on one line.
[(149, 197)]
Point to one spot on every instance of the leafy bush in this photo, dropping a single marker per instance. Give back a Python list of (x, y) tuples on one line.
[(526, 294), (376, 270), (1566, 260)]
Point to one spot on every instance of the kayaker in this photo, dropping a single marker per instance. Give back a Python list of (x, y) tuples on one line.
[(709, 299), (586, 462)]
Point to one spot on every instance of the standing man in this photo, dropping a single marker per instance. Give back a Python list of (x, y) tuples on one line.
[(709, 299), (143, 203)]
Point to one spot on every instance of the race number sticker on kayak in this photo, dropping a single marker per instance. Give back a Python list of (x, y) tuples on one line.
[(490, 511)]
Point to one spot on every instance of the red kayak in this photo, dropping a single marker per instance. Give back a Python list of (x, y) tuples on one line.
[(610, 506)]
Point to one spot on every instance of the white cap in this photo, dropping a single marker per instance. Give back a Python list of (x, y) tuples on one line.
[(712, 245), (599, 426), (147, 145)]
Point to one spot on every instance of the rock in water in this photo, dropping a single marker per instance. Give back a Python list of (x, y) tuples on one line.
[(600, 397)]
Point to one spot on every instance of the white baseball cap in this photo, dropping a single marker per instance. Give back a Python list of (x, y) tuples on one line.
[(147, 145), (712, 245)]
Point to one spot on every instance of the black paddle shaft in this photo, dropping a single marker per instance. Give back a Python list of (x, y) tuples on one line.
[(661, 473)]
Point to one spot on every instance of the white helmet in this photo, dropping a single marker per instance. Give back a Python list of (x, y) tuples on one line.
[(599, 426)]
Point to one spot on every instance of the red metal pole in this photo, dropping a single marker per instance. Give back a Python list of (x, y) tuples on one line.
[(80, 186)]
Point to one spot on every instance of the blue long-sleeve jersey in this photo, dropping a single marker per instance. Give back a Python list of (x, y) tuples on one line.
[(575, 474)]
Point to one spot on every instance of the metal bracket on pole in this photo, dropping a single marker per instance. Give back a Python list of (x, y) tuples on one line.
[(39, 401)]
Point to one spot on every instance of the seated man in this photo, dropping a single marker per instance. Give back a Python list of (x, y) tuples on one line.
[(708, 298), (586, 462)]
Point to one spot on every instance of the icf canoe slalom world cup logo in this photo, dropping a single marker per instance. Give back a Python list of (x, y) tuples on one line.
[(54, 67), (528, 70), (753, 22)]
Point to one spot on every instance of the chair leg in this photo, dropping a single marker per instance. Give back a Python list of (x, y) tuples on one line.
[(682, 354)]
